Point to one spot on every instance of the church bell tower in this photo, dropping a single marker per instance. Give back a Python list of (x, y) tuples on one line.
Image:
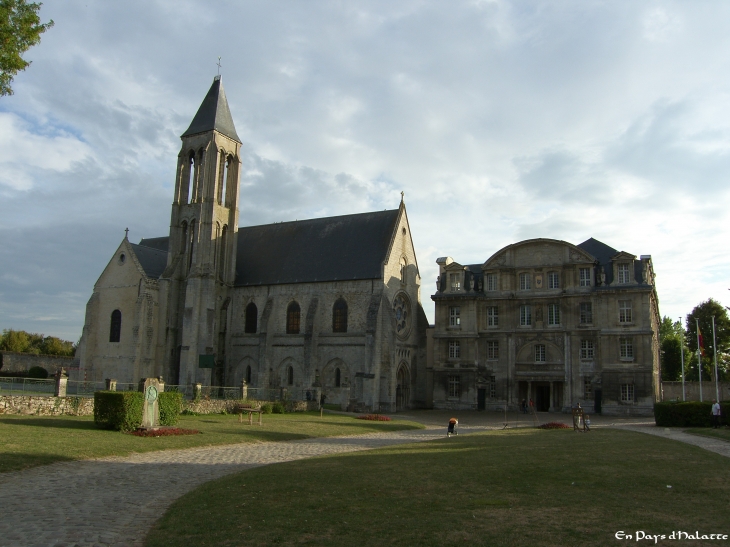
[(202, 246)]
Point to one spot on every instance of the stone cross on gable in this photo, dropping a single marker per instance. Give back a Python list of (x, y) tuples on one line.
[(219, 66)]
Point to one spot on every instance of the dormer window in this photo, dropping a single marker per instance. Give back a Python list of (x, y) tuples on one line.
[(623, 274), (455, 282)]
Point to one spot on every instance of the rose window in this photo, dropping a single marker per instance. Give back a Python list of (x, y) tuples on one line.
[(402, 310)]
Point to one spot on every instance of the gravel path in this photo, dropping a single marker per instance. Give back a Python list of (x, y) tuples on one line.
[(114, 501)]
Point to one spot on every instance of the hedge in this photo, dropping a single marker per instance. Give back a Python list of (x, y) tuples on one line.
[(122, 410), (688, 414), (170, 407)]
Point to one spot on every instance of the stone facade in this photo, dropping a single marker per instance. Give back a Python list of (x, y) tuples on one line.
[(548, 321), (166, 306), (672, 391), (22, 362)]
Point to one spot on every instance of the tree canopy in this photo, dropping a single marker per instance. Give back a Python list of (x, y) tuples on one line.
[(20, 341), (703, 313), (20, 29)]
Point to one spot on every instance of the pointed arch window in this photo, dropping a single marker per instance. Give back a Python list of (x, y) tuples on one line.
[(403, 269), (222, 255), (251, 319), (338, 377), (184, 239), (190, 186), (248, 374), (115, 329), (292, 318), (191, 244), (225, 173), (290, 375), (339, 316)]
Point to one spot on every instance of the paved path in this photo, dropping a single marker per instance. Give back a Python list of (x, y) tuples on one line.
[(708, 443), (115, 501)]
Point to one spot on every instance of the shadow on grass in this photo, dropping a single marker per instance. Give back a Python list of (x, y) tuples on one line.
[(57, 422), (18, 461)]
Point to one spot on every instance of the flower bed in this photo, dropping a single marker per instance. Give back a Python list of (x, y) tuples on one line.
[(163, 432), (554, 425), (374, 417)]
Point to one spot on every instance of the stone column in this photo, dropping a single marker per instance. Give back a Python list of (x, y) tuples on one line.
[(161, 384), (244, 390), (61, 383), (552, 397), (197, 391), (111, 384)]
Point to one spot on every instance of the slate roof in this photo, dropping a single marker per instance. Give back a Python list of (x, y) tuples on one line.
[(153, 260), (341, 248), (603, 253), (214, 114)]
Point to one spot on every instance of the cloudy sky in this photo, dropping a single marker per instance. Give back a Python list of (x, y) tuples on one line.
[(500, 121)]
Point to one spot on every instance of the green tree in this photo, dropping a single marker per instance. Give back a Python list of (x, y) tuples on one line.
[(15, 340), (703, 313), (20, 29), (23, 342), (671, 338)]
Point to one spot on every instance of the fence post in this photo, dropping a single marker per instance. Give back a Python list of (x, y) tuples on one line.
[(161, 383), (111, 384), (244, 390), (61, 383), (197, 391)]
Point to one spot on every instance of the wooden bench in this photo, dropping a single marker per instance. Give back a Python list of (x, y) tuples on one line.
[(240, 409)]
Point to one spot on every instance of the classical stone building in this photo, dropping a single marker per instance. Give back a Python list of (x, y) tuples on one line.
[(548, 321), (330, 304)]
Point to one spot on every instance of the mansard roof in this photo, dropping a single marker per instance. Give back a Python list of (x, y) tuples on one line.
[(214, 114), (152, 259), (342, 248)]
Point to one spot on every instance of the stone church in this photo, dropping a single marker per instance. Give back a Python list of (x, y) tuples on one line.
[(547, 321), (327, 305)]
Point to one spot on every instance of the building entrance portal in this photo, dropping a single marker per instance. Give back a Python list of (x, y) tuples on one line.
[(403, 389), (542, 397)]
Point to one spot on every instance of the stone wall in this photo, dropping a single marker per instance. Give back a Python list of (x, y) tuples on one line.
[(46, 406), (22, 362), (672, 391), (213, 406)]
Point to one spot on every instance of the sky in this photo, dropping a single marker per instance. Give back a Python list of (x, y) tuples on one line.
[(500, 120)]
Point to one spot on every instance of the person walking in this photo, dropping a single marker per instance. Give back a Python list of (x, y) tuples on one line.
[(715, 414)]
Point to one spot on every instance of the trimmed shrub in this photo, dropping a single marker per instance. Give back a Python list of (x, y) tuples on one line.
[(37, 372), (374, 417), (266, 408), (120, 410), (278, 408), (688, 414), (170, 407)]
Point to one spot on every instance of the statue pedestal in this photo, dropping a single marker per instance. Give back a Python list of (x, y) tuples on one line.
[(151, 388)]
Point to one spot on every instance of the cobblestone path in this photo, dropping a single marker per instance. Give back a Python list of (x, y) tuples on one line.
[(114, 501)]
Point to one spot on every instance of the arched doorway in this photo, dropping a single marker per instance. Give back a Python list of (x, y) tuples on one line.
[(403, 388)]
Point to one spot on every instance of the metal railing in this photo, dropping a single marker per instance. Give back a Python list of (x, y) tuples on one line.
[(27, 386)]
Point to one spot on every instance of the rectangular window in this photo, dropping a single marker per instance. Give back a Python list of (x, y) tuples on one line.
[(623, 273), (587, 389), (492, 350), (455, 279), (525, 281), (587, 349), (626, 348), (453, 386), (585, 277), (586, 313), (525, 316), (454, 349), (627, 393), (553, 280), (492, 316), (454, 316), (491, 282), (624, 311), (539, 353), (553, 314), (493, 387)]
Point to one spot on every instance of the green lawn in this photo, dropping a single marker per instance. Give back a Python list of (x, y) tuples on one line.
[(507, 488), (28, 441), (720, 433)]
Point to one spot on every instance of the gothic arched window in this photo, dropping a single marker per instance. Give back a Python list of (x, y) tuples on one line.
[(339, 316), (403, 268), (248, 374), (337, 377), (251, 318), (222, 254), (290, 376), (115, 329), (292, 318), (190, 190)]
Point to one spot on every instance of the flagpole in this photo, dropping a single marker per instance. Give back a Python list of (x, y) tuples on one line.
[(681, 349), (699, 356), (714, 351)]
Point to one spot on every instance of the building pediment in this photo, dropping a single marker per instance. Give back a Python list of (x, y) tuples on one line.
[(541, 251)]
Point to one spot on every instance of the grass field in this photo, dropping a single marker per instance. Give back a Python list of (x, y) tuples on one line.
[(720, 433), (508, 488), (29, 441)]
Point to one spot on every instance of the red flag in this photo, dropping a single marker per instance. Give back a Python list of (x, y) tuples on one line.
[(700, 341)]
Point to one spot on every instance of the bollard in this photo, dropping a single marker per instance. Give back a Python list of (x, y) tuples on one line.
[(244, 390), (61, 383)]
